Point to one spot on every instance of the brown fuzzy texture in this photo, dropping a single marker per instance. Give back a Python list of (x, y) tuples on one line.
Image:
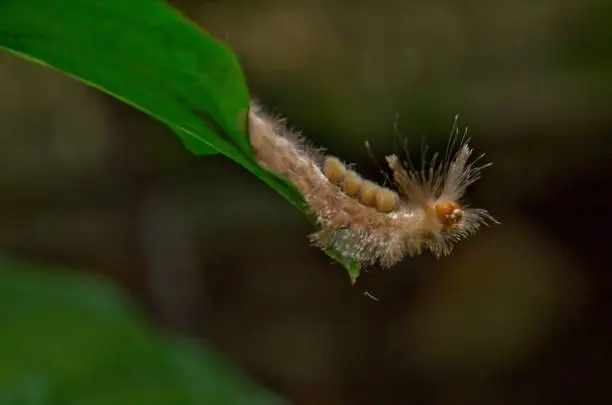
[(421, 220)]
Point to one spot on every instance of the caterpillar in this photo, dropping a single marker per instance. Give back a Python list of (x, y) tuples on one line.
[(365, 221)]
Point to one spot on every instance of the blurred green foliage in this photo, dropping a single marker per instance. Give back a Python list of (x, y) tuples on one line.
[(72, 339)]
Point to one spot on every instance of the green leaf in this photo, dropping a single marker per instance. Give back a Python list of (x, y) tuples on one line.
[(193, 145), (148, 55), (353, 267), (69, 339), (141, 52)]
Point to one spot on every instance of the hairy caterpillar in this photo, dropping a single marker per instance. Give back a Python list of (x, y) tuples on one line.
[(363, 220)]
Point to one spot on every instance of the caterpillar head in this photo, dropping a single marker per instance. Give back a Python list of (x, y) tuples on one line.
[(448, 213), (437, 190)]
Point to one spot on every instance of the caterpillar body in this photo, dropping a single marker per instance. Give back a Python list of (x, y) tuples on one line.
[(362, 220)]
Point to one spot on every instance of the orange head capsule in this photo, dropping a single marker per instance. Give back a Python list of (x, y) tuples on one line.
[(352, 183), (367, 193), (448, 212), (386, 200), (334, 169)]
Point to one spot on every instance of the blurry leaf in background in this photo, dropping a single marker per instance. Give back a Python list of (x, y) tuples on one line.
[(148, 55), (73, 339)]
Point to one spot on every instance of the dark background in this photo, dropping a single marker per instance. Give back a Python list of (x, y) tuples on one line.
[(519, 314)]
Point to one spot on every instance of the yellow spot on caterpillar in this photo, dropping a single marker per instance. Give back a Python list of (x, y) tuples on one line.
[(386, 200), (367, 193), (352, 183), (334, 170)]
